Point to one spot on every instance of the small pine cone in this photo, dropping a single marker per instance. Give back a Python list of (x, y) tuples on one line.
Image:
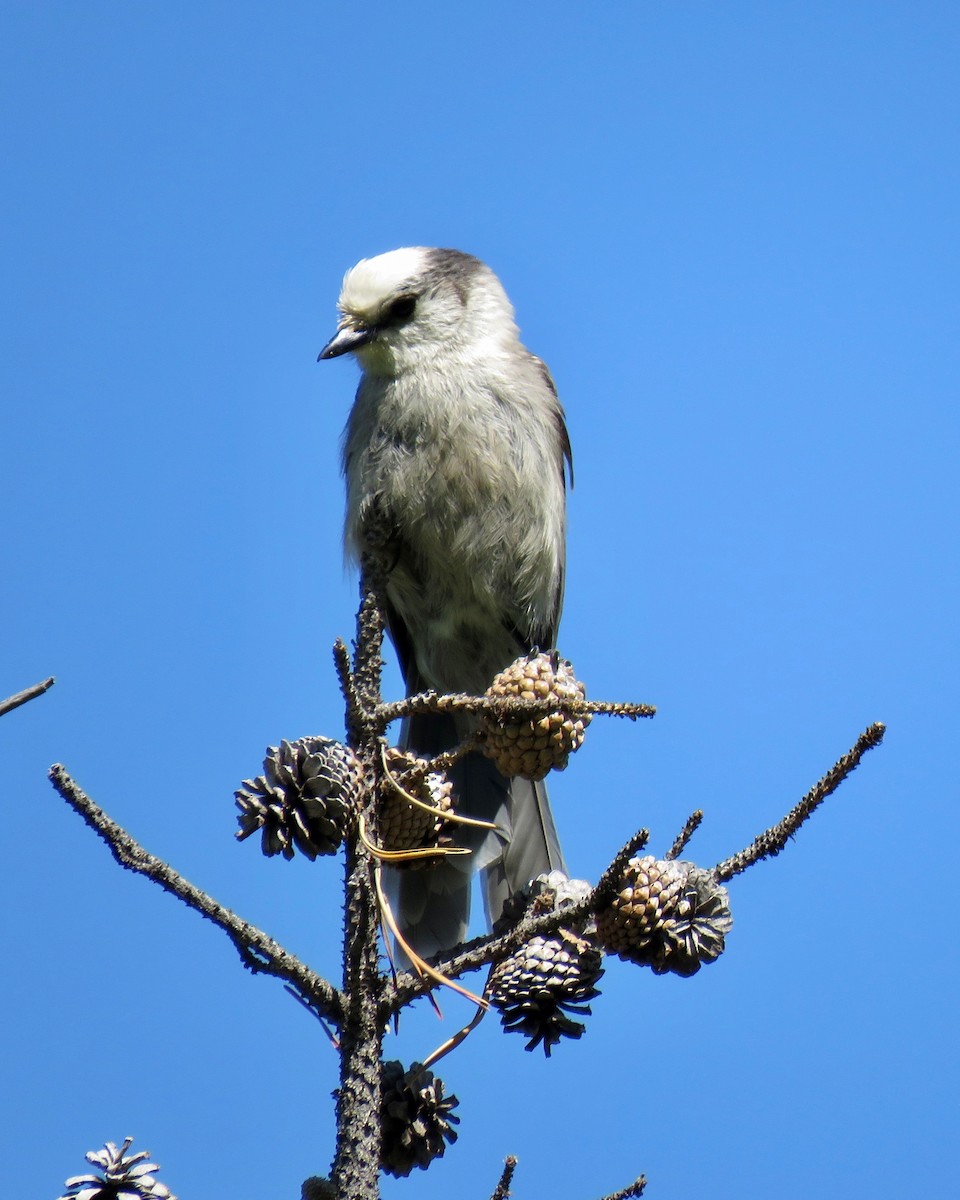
[(304, 800), (402, 825), (416, 1118), (543, 981), (532, 747), (671, 916), (128, 1176)]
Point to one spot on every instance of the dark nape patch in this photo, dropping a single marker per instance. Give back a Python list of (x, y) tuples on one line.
[(454, 267)]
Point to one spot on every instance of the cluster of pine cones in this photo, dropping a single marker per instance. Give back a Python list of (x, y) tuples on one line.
[(671, 916), (310, 790), (665, 914)]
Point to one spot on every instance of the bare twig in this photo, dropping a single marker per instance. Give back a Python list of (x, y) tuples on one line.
[(630, 1191), (312, 1010), (502, 1190), (773, 840), (617, 708), (685, 834), (449, 758), (341, 661), (609, 881), (258, 952), (505, 707), (30, 693)]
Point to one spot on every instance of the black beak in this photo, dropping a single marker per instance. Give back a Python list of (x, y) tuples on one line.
[(344, 340)]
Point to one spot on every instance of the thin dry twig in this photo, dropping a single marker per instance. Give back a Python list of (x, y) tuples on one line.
[(630, 1191), (258, 952), (686, 833), (30, 693), (773, 840), (312, 1010), (502, 1190)]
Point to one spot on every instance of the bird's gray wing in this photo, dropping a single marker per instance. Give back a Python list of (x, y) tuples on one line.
[(546, 638), (566, 451)]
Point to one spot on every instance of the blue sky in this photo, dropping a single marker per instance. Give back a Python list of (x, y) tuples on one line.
[(732, 232)]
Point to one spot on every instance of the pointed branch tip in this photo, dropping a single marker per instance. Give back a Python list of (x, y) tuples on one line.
[(769, 843), (28, 694), (502, 1189)]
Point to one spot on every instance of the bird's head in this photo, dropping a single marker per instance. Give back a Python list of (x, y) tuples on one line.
[(412, 306)]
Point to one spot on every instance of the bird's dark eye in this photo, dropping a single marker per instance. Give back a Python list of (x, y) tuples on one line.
[(400, 310)]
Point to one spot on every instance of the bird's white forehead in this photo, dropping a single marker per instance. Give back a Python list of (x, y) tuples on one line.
[(367, 285)]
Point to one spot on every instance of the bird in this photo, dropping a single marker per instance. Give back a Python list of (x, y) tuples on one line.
[(456, 459)]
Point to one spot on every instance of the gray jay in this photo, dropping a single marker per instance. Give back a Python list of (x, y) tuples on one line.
[(455, 455)]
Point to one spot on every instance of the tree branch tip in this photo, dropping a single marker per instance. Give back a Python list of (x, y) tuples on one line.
[(502, 1189), (30, 693), (631, 1191), (773, 840)]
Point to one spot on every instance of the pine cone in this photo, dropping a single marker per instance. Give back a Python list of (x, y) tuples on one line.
[(402, 825), (671, 916), (415, 1118), (532, 747), (541, 982), (694, 933), (547, 977), (304, 800), (126, 1176)]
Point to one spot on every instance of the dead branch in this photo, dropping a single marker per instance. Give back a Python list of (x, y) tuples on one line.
[(341, 661), (630, 1191), (504, 707), (258, 952), (772, 840), (686, 833), (30, 693)]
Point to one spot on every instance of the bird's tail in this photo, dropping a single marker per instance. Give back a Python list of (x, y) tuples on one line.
[(433, 902)]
